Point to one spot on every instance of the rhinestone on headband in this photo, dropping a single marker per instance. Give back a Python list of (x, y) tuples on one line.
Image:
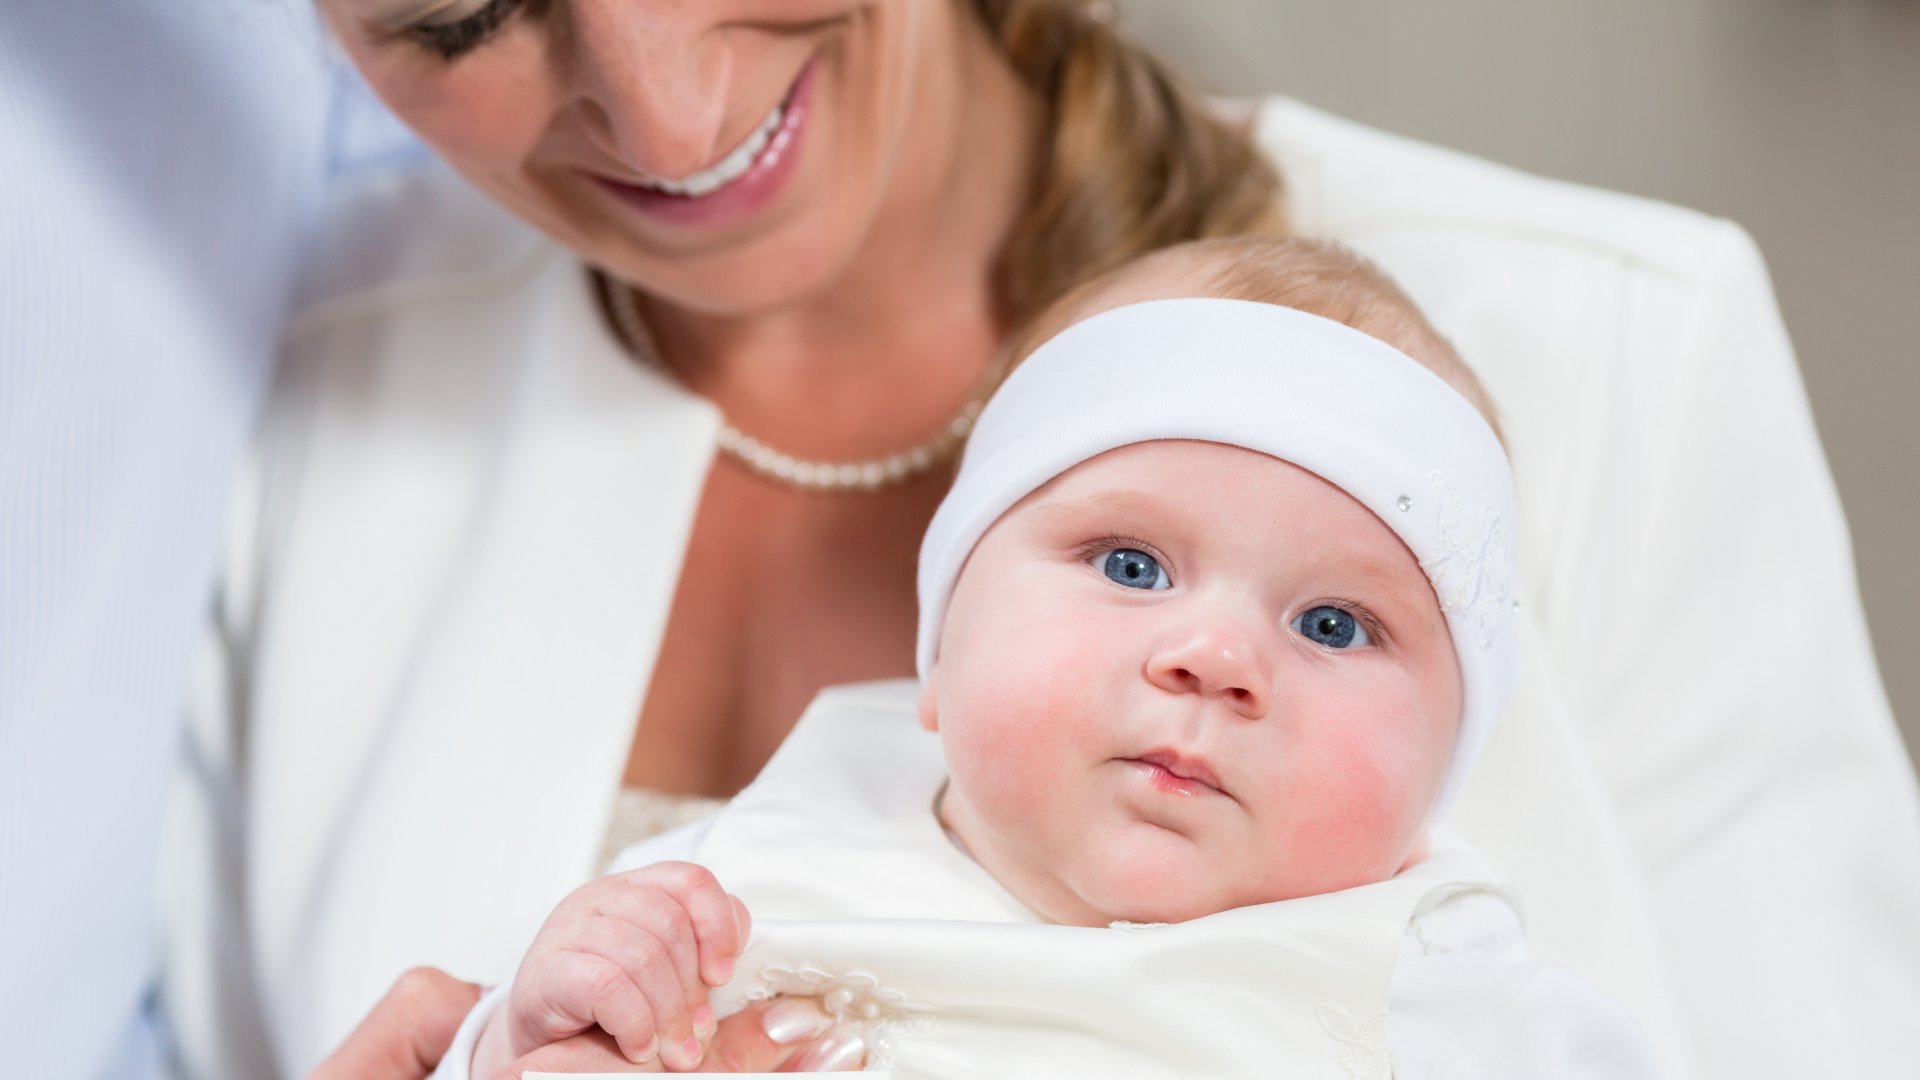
[(784, 468)]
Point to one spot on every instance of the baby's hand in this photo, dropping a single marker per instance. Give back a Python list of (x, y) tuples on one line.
[(633, 953)]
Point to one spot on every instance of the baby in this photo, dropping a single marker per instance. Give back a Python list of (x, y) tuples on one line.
[(1214, 621)]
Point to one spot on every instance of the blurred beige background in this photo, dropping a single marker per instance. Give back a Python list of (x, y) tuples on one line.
[(1800, 119)]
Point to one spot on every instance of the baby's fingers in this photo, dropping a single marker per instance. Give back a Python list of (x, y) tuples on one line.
[(580, 990), (648, 963), (743, 924), (655, 912), (719, 923)]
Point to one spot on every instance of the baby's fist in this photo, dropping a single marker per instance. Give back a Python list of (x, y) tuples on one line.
[(633, 953)]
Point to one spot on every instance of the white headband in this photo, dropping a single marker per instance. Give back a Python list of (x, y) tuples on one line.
[(1326, 397)]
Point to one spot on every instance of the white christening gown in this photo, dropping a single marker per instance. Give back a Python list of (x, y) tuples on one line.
[(859, 896)]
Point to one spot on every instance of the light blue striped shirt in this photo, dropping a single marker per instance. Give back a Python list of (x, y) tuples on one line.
[(161, 164)]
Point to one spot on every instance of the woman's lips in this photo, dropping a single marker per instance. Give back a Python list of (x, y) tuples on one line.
[(741, 197), (1176, 774)]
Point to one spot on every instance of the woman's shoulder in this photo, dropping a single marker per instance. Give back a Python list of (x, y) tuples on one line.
[(406, 239), (1551, 289), (1351, 182), (423, 297)]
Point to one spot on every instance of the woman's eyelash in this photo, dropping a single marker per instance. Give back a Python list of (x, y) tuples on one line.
[(455, 39)]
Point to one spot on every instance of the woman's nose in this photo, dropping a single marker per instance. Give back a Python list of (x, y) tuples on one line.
[(653, 80), (1218, 658)]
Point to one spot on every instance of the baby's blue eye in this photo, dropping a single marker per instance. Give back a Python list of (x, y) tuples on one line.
[(1332, 627), (1134, 569)]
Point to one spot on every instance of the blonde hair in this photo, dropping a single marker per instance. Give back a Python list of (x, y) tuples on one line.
[(1313, 276), (1131, 160)]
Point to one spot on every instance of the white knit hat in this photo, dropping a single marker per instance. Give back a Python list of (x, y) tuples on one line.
[(1326, 397)]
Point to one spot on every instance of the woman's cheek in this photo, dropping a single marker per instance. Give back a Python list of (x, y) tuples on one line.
[(482, 128), (484, 115)]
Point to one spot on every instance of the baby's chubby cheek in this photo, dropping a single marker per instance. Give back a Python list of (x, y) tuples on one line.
[(1356, 801), (1010, 748), (1018, 710)]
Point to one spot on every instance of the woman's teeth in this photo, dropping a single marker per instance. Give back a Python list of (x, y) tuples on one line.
[(727, 169)]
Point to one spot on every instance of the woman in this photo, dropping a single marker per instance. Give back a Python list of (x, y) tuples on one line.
[(522, 535)]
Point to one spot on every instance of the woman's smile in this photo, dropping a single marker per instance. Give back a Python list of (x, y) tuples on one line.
[(748, 177)]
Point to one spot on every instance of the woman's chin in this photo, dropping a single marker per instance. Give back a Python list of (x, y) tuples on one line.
[(760, 274)]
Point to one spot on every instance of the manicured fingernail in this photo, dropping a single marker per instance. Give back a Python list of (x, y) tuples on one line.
[(703, 1022), (693, 1050), (839, 1050), (793, 1019), (649, 1051)]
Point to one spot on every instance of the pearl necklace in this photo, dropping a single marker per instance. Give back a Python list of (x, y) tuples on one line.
[(783, 468)]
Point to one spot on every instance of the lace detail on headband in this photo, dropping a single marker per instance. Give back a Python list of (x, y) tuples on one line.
[(1362, 1046), (1470, 568), (882, 1016)]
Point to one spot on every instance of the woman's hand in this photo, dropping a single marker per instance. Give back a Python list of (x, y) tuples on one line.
[(407, 1033), (632, 954), (772, 1036)]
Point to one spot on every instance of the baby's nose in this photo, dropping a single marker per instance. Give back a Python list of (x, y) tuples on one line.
[(1217, 661)]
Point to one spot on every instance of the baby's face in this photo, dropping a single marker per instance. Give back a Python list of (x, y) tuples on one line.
[(1185, 677)]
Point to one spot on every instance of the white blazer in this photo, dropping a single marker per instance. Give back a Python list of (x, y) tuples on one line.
[(453, 559)]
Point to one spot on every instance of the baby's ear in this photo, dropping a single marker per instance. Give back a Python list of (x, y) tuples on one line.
[(925, 708)]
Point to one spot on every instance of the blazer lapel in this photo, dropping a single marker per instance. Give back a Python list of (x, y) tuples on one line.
[(475, 795)]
